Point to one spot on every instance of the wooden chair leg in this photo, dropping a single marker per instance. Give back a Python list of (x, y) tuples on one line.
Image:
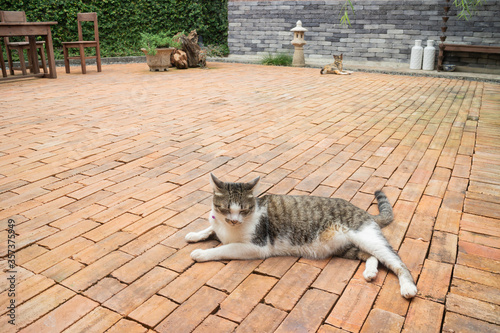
[(82, 59), (9, 59), (2, 63), (98, 59), (22, 61), (66, 59), (44, 63)]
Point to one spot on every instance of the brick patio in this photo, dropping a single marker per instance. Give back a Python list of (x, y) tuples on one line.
[(105, 173)]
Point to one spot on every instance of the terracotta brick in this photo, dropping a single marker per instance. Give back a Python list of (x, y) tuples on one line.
[(254, 322), (65, 235), (476, 276), (25, 290), (143, 263), (475, 290), (309, 312), (454, 322), (104, 289), (190, 281), (62, 270), (39, 305), (148, 240), (228, 278), (111, 227), (116, 210), (276, 266), (330, 329), (479, 207), (443, 247), (353, 307), (98, 250), (434, 281), (153, 310), (473, 308), (178, 241), (336, 275), (125, 325), (479, 250), (95, 271), (98, 320), (291, 286), (245, 297), (424, 316), (189, 215), (480, 224), (77, 216), (128, 299), (29, 253), (222, 325), (63, 316), (448, 220), (383, 322), (181, 260), (57, 255), (412, 192), (192, 312)]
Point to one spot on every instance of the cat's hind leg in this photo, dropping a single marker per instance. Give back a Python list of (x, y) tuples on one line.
[(371, 265), (369, 238), (371, 269), (204, 234)]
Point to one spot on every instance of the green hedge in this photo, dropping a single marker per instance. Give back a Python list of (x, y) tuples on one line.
[(122, 21)]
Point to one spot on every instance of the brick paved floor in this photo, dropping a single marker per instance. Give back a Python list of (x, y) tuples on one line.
[(105, 173)]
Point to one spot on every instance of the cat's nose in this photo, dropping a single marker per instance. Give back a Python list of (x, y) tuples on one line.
[(232, 222)]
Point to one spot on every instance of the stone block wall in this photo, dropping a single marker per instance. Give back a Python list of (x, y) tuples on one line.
[(381, 30)]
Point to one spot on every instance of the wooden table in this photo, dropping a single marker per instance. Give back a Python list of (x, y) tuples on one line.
[(463, 48), (31, 29)]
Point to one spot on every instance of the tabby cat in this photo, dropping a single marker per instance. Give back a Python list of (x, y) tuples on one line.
[(336, 67), (252, 227)]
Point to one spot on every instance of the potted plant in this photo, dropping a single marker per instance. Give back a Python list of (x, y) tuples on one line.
[(157, 48)]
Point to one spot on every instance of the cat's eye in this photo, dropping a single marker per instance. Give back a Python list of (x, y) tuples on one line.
[(222, 210), (246, 211)]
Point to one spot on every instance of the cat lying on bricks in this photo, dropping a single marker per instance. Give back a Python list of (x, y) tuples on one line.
[(313, 227), (336, 67)]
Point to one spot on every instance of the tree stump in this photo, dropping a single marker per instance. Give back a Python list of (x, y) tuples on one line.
[(195, 56), (179, 59)]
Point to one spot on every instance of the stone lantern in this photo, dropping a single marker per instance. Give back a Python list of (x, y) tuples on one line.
[(298, 42)]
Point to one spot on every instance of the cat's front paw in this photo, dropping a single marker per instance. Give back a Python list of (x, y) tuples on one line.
[(192, 237), (370, 273), (200, 255)]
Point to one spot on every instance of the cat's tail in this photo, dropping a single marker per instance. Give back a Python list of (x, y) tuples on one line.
[(385, 216)]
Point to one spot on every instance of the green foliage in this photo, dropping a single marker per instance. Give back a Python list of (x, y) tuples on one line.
[(217, 50), (466, 7), (344, 19), (151, 42), (122, 21), (280, 59)]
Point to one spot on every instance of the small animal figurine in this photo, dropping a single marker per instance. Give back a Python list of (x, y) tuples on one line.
[(252, 227), (335, 67)]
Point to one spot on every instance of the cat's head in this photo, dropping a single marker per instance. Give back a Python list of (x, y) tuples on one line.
[(233, 203), (338, 57)]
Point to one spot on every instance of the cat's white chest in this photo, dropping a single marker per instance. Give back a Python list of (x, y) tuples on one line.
[(227, 234)]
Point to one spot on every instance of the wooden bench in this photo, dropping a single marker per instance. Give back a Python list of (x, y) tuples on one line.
[(464, 48)]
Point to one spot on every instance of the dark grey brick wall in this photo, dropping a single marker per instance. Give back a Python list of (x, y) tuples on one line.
[(381, 30)]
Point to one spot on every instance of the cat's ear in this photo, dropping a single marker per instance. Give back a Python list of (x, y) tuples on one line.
[(252, 186), (341, 56), (217, 185)]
